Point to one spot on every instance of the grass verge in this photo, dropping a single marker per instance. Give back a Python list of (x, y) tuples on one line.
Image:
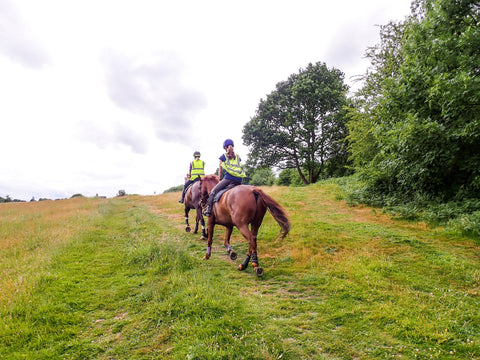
[(126, 282)]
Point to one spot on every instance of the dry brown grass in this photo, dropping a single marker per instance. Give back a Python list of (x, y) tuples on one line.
[(164, 204), (29, 234)]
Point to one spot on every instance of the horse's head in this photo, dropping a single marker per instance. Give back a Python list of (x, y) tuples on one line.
[(207, 183)]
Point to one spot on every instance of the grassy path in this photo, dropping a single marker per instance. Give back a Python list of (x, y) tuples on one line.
[(126, 282)]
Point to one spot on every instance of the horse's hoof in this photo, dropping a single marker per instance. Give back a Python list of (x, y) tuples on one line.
[(259, 271), (206, 257), (187, 228), (233, 255), (241, 268)]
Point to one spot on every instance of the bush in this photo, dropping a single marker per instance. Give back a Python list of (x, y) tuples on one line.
[(263, 177), (289, 177), (461, 216), (174, 189), (468, 225)]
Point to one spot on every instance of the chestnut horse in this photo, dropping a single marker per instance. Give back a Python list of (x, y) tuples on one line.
[(241, 206), (192, 202)]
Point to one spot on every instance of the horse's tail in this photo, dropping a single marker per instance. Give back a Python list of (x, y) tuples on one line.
[(276, 210)]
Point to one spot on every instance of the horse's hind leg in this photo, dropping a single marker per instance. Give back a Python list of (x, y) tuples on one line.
[(254, 229), (251, 236), (204, 232), (200, 220), (252, 246)]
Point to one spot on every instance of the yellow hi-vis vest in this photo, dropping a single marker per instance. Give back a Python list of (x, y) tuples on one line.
[(197, 168), (232, 166)]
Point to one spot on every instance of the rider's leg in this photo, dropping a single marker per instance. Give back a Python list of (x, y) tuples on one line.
[(185, 187), (221, 185)]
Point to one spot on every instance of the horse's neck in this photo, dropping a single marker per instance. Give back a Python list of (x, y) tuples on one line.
[(210, 186)]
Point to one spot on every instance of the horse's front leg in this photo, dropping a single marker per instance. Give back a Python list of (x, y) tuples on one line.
[(187, 225), (228, 234), (211, 226), (197, 220)]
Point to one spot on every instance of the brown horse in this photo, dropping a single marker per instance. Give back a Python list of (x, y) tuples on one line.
[(241, 206), (192, 202)]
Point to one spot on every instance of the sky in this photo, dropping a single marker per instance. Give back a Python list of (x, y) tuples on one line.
[(98, 96)]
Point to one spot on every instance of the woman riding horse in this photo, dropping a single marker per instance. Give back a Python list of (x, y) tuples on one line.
[(192, 201), (196, 171), (240, 206), (230, 162)]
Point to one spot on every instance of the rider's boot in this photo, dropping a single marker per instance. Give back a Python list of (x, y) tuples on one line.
[(182, 197), (208, 212)]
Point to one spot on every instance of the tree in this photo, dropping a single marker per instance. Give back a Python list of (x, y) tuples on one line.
[(262, 177), (301, 124), (289, 177), (418, 129)]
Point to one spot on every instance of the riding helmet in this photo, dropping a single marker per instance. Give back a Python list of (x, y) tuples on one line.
[(227, 142), (196, 153)]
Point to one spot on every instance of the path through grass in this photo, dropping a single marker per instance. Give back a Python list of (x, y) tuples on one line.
[(129, 283)]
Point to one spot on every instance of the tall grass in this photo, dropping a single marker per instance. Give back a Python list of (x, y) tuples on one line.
[(30, 233), (124, 281)]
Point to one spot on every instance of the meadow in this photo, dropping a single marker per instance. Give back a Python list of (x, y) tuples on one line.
[(90, 278)]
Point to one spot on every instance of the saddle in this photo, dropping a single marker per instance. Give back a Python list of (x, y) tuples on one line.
[(223, 191), (189, 186)]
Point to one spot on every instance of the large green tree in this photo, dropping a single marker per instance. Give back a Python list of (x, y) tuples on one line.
[(301, 124), (416, 129)]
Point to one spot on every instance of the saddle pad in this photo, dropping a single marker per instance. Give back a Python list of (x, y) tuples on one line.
[(219, 195), (223, 191)]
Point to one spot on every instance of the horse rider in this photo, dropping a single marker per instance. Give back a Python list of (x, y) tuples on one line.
[(195, 172), (230, 163)]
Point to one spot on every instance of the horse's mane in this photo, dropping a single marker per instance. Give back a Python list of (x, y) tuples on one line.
[(211, 180)]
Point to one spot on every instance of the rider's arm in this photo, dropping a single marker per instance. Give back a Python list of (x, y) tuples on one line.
[(189, 171), (220, 169)]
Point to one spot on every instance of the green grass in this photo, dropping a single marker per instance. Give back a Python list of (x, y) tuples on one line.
[(120, 279)]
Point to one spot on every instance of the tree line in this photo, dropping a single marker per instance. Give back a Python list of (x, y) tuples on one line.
[(411, 134), (411, 127)]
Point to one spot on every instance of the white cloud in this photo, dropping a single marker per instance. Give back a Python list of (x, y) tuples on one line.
[(17, 41), (153, 87), (99, 96)]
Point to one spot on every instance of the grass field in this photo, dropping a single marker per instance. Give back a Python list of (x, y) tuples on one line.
[(120, 279)]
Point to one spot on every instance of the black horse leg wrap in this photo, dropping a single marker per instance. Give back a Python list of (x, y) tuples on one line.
[(254, 258), (245, 262)]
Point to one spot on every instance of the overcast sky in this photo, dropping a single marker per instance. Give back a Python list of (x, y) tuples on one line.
[(98, 96)]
